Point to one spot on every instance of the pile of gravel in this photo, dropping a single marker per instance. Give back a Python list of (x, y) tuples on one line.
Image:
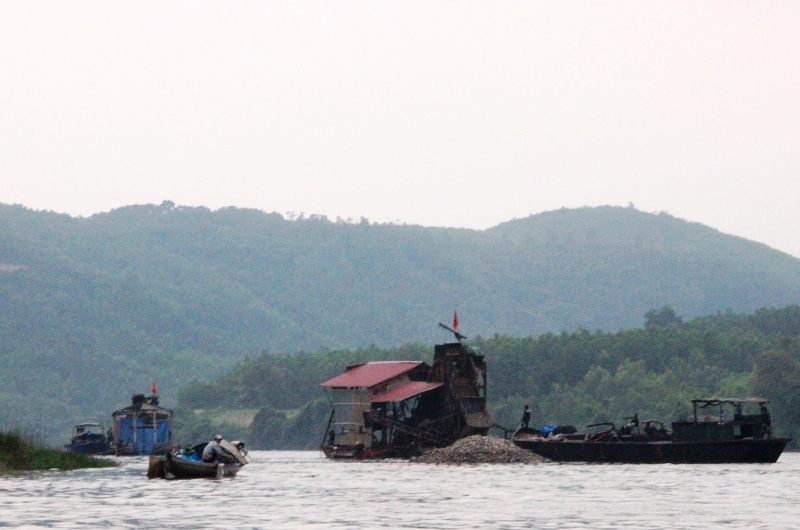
[(480, 450)]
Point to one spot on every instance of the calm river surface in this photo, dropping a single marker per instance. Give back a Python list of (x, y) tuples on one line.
[(286, 489)]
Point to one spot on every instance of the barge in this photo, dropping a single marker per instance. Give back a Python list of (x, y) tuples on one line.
[(712, 435)]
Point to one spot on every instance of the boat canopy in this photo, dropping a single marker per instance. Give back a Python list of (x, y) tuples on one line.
[(89, 427), (715, 401), (404, 392), (89, 424)]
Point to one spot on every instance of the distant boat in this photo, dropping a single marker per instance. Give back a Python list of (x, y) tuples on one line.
[(89, 439), (715, 438), (143, 428), (189, 464)]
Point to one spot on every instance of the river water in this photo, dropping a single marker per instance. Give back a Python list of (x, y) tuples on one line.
[(288, 489)]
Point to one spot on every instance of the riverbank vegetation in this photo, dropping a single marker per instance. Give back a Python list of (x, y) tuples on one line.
[(578, 378), (22, 453)]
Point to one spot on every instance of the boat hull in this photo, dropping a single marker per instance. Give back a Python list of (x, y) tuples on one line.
[(343, 452), (170, 466), (90, 448), (750, 451), (131, 451)]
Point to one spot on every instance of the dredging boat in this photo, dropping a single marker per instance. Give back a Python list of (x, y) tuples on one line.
[(712, 435), (398, 408)]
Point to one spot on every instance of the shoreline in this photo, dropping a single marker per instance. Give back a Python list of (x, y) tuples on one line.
[(20, 453)]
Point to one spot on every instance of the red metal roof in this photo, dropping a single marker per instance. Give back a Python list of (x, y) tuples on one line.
[(401, 393), (370, 374)]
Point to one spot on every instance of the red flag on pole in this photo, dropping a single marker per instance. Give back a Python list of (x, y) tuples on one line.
[(154, 389), (455, 319)]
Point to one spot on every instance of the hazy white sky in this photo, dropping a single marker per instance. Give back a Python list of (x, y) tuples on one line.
[(437, 113)]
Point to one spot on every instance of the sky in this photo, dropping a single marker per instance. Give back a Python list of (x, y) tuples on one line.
[(461, 113)]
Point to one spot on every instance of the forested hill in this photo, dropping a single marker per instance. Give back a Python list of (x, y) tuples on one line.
[(94, 309)]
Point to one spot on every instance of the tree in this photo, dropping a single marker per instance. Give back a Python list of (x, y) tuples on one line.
[(664, 317)]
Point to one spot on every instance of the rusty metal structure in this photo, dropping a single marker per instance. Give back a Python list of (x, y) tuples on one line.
[(398, 408)]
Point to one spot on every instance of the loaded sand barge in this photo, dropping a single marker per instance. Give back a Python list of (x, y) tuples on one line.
[(710, 436)]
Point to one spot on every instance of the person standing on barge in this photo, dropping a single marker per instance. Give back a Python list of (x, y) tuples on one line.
[(526, 417)]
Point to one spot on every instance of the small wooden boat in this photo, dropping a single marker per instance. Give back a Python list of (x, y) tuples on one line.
[(189, 464)]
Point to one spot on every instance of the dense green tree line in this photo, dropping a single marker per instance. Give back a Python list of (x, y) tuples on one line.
[(580, 377)]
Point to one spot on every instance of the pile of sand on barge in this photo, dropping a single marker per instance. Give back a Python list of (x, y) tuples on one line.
[(479, 449)]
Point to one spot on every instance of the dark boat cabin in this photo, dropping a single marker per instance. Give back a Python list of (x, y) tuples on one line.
[(725, 419)]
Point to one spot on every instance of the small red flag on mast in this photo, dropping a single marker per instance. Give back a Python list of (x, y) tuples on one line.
[(154, 389), (455, 319)]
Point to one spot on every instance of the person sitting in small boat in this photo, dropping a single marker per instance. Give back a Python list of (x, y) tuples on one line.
[(213, 451)]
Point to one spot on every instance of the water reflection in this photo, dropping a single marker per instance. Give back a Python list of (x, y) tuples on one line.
[(304, 490)]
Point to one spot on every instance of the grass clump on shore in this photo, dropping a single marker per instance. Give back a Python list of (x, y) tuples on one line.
[(19, 453)]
